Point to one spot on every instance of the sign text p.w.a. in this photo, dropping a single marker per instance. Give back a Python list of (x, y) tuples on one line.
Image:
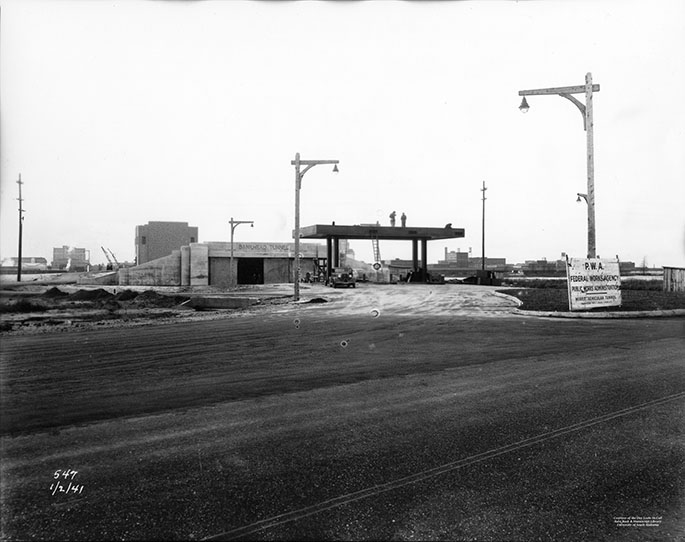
[(593, 282)]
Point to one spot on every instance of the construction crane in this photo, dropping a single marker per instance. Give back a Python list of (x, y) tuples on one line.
[(110, 264), (115, 259)]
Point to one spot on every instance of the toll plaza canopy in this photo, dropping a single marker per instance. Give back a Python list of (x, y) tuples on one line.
[(374, 232)]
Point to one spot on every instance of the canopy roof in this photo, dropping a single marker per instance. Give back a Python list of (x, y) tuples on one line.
[(374, 231)]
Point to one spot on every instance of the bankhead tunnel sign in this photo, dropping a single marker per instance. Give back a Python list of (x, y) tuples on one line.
[(593, 282)]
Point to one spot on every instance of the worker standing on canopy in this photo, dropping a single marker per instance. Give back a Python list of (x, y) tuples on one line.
[(392, 219)]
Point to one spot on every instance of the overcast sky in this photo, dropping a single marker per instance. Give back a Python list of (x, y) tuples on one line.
[(122, 112)]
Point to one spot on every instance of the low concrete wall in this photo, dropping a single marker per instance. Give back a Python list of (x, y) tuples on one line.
[(110, 279), (160, 272)]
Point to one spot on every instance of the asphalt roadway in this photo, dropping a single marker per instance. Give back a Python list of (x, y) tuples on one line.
[(406, 412)]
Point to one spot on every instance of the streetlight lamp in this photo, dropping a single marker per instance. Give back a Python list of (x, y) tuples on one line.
[(234, 225), (298, 184), (586, 110)]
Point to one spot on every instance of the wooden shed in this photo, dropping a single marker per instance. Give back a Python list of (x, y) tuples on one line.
[(674, 279)]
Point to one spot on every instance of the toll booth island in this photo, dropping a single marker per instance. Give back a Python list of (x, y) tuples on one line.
[(417, 235)]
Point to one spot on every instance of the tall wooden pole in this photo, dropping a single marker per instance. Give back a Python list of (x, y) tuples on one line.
[(483, 248), (589, 127), (21, 224), (230, 265), (296, 271)]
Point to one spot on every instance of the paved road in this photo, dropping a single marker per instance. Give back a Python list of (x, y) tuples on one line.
[(368, 417)]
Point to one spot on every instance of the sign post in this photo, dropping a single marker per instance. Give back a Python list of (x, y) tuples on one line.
[(593, 282)]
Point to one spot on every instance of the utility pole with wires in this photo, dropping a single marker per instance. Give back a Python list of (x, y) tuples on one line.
[(483, 250), (21, 223)]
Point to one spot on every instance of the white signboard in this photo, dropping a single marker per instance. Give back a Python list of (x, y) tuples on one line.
[(593, 282)]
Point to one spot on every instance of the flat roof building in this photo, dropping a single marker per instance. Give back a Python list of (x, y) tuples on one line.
[(158, 239), (70, 258)]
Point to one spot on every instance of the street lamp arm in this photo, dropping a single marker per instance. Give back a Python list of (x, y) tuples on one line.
[(311, 163), (578, 89), (236, 223), (579, 105), (305, 170)]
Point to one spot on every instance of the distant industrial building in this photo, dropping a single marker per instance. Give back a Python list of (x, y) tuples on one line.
[(28, 263), (159, 239), (459, 264), (70, 258), (458, 258)]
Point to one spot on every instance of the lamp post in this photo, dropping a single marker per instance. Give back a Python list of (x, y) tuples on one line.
[(298, 184), (234, 225), (586, 110)]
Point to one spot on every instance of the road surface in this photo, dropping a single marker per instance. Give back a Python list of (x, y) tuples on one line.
[(406, 412)]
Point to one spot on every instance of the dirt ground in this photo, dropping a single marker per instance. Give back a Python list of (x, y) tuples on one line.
[(41, 309), (45, 308)]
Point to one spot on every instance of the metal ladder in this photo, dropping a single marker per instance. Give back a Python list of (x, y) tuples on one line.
[(376, 250)]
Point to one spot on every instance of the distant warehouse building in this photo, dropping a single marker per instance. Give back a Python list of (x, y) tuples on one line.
[(209, 264), (158, 239), (28, 263), (70, 258)]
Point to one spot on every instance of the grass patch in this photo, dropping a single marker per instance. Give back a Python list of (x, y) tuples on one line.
[(555, 299)]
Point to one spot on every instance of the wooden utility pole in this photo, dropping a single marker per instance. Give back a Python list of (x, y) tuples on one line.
[(483, 248), (21, 223)]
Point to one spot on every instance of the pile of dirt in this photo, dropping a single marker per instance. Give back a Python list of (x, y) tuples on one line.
[(126, 295), (55, 292), (150, 298), (91, 295)]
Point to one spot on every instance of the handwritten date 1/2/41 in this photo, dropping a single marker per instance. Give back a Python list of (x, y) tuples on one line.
[(72, 488)]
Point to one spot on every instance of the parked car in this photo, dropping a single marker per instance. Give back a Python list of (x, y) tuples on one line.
[(342, 277)]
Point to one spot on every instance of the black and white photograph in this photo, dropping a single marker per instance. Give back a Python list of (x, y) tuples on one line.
[(342, 270)]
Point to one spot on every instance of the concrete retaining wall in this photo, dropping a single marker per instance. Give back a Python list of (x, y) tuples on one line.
[(110, 279), (160, 272)]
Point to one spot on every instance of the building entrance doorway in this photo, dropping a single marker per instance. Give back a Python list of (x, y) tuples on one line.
[(251, 271)]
